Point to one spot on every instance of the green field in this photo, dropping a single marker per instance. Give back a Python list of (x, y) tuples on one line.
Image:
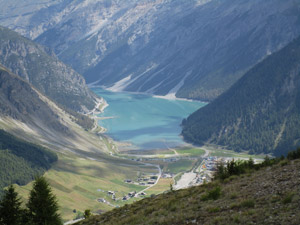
[(79, 182), (150, 152), (162, 185), (190, 151), (179, 166)]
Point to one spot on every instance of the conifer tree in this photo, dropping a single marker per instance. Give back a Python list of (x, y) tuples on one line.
[(10, 208), (42, 204)]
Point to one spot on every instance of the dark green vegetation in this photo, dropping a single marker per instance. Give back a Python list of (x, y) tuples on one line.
[(21, 161), (260, 113), (41, 208), (42, 204), (44, 71), (10, 208), (264, 194)]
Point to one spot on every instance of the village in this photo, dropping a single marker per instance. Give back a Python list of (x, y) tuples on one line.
[(201, 173)]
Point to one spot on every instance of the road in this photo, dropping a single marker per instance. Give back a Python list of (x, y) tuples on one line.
[(158, 177)]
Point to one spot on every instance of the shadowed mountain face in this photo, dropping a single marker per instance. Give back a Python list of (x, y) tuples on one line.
[(26, 113), (260, 113), (193, 49), (49, 75), (21, 102)]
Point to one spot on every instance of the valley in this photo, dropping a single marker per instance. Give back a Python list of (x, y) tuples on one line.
[(151, 111), (90, 176)]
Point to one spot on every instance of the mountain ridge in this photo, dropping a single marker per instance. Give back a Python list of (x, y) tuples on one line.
[(191, 49)]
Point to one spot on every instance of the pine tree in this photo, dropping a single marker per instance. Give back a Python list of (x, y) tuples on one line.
[(10, 208), (42, 204)]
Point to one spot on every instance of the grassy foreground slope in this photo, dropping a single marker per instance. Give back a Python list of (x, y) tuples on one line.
[(268, 196), (260, 113)]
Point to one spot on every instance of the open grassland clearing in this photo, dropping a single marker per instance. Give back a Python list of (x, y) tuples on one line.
[(79, 182), (191, 151), (162, 185), (181, 165)]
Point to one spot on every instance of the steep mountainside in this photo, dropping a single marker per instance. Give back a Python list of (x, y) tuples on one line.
[(26, 113), (261, 112), (268, 196), (45, 72), (194, 49)]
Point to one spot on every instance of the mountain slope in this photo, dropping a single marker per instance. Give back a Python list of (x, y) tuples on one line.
[(26, 113), (192, 49), (45, 72), (268, 196), (21, 161), (259, 113)]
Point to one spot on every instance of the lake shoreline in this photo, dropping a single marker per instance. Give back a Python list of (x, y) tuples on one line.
[(167, 97), (144, 121)]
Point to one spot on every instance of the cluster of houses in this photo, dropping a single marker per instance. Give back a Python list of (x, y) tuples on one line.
[(132, 195), (143, 181), (207, 170)]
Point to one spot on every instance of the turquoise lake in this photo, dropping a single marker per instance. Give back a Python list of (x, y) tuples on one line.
[(145, 121)]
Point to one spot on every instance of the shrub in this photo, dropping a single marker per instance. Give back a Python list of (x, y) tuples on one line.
[(250, 203), (294, 154), (213, 194), (213, 209), (288, 198)]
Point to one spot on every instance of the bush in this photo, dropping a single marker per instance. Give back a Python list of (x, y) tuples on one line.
[(213, 194), (294, 154), (248, 203), (234, 168), (288, 198)]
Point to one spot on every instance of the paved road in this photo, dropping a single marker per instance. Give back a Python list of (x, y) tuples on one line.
[(158, 177)]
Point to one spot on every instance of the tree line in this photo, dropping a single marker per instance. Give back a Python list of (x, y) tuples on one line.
[(238, 167)]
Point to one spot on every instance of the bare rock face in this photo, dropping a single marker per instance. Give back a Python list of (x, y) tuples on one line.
[(193, 49), (49, 75)]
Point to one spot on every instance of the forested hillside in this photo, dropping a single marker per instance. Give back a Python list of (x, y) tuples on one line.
[(260, 113), (21, 161)]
